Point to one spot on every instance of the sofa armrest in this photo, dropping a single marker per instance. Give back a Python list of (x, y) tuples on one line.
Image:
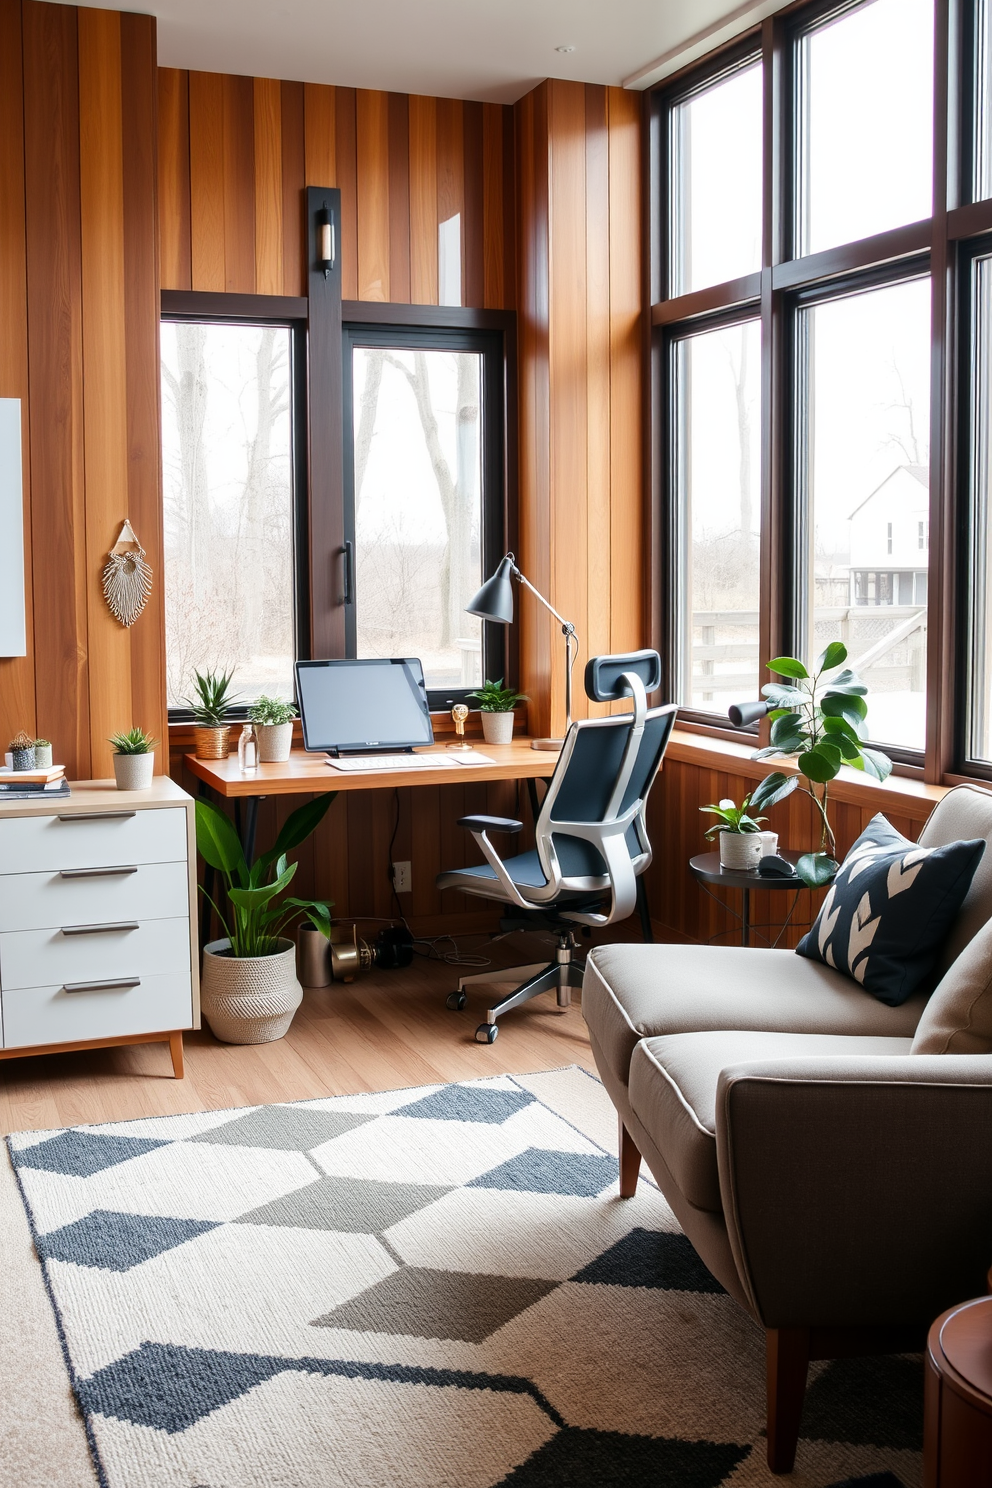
[(857, 1190)]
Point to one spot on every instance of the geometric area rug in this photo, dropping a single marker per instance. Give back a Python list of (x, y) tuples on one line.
[(431, 1288)]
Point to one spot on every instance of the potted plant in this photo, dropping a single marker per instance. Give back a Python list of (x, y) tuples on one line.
[(819, 719), (211, 709), (42, 754), (21, 749), (273, 720), (134, 759), (249, 987), (496, 704), (738, 831)]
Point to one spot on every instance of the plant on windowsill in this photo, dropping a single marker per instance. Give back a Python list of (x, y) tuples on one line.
[(737, 830), (496, 704), (273, 720), (134, 759), (821, 721), (211, 708), (249, 987)]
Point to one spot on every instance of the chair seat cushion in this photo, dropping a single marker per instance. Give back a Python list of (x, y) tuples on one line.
[(637, 991), (890, 908), (673, 1083)]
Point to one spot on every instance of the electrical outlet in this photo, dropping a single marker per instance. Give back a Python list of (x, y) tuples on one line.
[(402, 878)]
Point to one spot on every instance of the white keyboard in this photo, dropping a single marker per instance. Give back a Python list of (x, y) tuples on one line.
[(393, 762)]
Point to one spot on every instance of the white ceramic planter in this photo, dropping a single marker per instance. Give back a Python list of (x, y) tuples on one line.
[(249, 999), (275, 740), (740, 850), (42, 756), (134, 771), (497, 728)]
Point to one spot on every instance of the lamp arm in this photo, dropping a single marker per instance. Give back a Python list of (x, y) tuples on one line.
[(527, 583), (567, 630)]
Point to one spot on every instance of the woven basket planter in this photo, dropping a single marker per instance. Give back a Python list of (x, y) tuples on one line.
[(249, 999), (212, 742)]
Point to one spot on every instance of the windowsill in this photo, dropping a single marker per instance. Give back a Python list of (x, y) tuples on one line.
[(900, 793)]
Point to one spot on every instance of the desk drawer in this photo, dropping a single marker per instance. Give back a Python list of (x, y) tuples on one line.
[(130, 891), (41, 958), (50, 1015), (75, 839)]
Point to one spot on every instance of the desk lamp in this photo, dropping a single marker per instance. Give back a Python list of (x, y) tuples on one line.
[(494, 601)]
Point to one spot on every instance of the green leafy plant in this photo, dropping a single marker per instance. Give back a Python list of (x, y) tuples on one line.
[(42, 743), (271, 710), (820, 719), (738, 819), (212, 705), (259, 911), (493, 697), (135, 741)]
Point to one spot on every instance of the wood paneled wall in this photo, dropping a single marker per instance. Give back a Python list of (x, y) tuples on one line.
[(79, 347), (579, 328), (235, 154)]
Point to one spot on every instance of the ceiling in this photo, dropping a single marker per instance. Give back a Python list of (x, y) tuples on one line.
[(492, 50)]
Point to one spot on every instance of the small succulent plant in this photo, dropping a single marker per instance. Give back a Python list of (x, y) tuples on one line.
[(271, 710), (22, 751), (134, 741), (212, 705)]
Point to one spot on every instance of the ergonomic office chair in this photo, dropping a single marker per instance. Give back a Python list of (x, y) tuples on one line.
[(591, 835)]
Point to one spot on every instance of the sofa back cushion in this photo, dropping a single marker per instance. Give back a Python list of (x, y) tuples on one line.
[(958, 1017), (966, 811)]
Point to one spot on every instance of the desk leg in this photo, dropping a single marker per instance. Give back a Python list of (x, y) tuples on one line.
[(745, 917), (535, 804), (251, 822)]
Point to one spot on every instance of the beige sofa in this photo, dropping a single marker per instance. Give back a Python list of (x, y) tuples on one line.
[(829, 1157)]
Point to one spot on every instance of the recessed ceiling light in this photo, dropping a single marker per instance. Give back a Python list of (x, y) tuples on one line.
[(565, 49)]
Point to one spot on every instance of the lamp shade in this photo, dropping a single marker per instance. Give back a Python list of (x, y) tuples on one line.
[(494, 600)]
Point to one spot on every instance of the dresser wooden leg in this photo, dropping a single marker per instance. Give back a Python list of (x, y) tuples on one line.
[(176, 1050), (630, 1164)]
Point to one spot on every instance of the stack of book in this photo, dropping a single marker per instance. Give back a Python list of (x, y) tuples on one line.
[(24, 785)]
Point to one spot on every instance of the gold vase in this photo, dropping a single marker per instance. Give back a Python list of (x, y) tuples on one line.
[(212, 742)]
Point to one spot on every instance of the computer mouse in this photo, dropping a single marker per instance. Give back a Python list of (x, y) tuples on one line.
[(775, 867)]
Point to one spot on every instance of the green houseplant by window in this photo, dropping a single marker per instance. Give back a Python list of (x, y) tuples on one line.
[(273, 720), (134, 759), (737, 826), (211, 708), (496, 704), (249, 987)]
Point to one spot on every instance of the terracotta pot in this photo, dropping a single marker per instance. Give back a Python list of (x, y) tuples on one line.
[(134, 771), (497, 728), (249, 999), (740, 850), (275, 740), (212, 741)]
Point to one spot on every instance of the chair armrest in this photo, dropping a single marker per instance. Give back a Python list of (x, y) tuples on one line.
[(857, 1190), (490, 824)]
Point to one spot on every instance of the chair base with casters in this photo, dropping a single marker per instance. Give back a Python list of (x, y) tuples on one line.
[(560, 976)]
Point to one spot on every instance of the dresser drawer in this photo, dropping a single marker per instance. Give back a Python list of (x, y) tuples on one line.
[(41, 958), (87, 896), (74, 839), (50, 1015)]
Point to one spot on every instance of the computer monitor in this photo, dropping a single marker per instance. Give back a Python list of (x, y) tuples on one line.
[(363, 707)]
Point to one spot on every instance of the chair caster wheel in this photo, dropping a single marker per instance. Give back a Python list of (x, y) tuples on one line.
[(455, 1001), (486, 1033)]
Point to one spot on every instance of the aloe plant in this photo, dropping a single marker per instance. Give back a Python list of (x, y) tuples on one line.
[(212, 704), (134, 741), (256, 920)]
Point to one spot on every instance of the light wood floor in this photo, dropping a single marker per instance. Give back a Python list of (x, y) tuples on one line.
[(385, 1031)]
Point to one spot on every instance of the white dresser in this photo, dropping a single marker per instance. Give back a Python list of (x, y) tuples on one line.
[(97, 931)]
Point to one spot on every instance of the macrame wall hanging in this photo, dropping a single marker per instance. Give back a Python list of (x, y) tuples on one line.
[(127, 578)]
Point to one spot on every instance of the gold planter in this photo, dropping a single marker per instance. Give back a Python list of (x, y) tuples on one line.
[(212, 743)]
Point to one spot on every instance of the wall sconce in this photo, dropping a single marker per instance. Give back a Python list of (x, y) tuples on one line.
[(326, 244)]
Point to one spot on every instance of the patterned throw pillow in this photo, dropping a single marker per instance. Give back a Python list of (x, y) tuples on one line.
[(889, 908)]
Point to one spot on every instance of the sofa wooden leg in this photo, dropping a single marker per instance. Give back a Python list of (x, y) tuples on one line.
[(787, 1357), (176, 1050), (630, 1164)]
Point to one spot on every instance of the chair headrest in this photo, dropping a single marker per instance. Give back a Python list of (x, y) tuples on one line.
[(604, 674)]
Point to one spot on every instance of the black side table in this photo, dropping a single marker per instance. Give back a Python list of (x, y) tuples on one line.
[(706, 869)]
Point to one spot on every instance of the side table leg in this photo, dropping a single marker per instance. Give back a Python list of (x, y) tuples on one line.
[(745, 917)]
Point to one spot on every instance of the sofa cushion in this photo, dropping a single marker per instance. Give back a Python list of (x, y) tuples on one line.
[(890, 908), (632, 992), (673, 1084), (966, 811), (958, 1017)]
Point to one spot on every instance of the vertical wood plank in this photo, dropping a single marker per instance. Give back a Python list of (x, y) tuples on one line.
[(239, 185), (267, 126), (601, 497), (511, 246), (206, 180), (173, 177), (399, 198), (473, 236), (451, 172), (493, 165), (17, 680), (320, 134), (293, 182), (372, 193), (423, 201), (347, 172)]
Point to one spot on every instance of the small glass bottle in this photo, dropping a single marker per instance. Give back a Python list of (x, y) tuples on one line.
[(248, 750)]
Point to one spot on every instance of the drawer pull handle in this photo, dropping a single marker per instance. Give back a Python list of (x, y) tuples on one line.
[(99, 929), (95, 815), (109, 986), (96, 872)]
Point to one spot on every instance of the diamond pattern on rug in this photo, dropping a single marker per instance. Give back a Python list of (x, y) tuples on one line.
[(118, 1242), (873, 1402), (170, 1387), (438, 1304), (595, 1459), (80, 1154), (650, 1258), (460, 1103), (583, 1174), (284, 1128), (346, 1204)]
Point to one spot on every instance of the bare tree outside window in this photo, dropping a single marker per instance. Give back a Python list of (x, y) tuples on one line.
[(226, 455)]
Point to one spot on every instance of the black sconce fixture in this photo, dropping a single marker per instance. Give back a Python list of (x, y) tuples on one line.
[(326, 240)]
